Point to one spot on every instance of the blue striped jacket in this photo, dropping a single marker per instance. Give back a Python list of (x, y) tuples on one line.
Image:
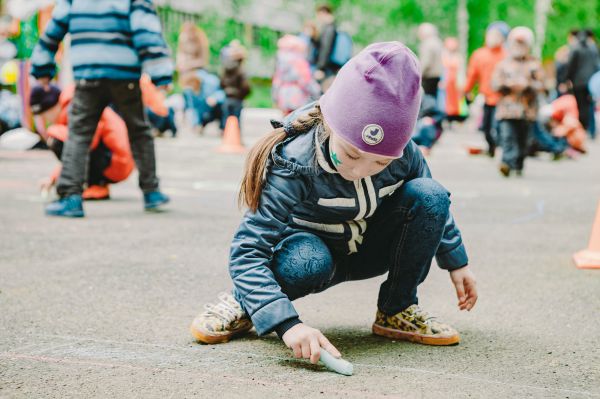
[(110, 39)]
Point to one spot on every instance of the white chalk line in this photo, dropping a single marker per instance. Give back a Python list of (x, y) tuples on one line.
[(286, 359), (539, 212)]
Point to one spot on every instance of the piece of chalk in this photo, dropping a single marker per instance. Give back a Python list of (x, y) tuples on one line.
[(340, 366)]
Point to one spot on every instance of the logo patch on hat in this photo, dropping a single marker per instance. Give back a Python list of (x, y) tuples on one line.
[(372, 134)]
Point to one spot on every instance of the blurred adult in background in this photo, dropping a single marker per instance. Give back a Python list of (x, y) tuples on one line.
[(482, 63), (582, 64), (430, 56), (310, 36), (325, 68), (519, 79), (561, 59)]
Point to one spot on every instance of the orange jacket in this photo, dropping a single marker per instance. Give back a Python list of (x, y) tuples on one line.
[(111, 130), (481, 67)]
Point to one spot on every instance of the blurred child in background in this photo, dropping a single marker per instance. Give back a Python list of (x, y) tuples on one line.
[(293, 83), (519, 80), (110, 159), (233, 81), (482, 64)]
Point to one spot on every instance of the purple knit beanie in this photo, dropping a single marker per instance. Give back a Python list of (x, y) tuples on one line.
[(374, 101)]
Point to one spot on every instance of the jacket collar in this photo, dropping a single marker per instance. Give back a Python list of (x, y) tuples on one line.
[(321, 152)]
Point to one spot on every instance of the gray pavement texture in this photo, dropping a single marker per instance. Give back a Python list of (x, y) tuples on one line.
[(100, 307)]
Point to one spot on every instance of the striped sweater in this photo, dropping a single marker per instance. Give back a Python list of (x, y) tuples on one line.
[(110, 39)]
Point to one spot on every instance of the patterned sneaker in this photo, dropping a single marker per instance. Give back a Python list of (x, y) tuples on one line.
[(221, 322), (414, 324)]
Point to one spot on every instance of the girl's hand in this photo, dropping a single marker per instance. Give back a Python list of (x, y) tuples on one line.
[(466, 290), (306, 342)]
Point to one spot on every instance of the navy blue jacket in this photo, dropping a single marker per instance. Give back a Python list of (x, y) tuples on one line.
[(304, 193)]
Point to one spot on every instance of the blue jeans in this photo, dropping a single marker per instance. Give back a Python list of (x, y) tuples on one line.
[(514, 137), (426, 135), (231, 107), (401, 238), (162, 123), (545, 141), (489, 126), (203, 113)]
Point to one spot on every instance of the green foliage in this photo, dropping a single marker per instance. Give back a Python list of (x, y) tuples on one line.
[(482, 13), (567, 15), (398, 19), (260, 97)]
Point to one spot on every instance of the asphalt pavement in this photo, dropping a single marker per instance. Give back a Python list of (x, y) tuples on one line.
[(100, 307)]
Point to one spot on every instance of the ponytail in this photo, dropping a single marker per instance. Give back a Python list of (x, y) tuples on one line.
[(254, 178)]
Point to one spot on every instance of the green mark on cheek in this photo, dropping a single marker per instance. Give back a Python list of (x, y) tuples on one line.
[(335, 159)]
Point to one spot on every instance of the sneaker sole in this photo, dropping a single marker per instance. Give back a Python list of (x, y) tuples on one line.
[(67, 215), (415, 337), (216, 339), (156, 209), (159, 207), (96, 198)]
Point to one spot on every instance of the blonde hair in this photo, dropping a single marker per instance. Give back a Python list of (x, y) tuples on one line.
[(255, 169)]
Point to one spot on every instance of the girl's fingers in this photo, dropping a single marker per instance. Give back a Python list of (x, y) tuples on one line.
[(460, 291), (471, 299), (325, 344), (297, 351), (472, 293), (315, 350), (470, 305), (306, 350)]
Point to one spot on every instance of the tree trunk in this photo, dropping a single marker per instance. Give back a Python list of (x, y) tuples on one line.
[(542, 7)]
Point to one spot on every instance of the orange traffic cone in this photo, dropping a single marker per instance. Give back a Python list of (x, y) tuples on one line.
[(232, 138), (590, 258)]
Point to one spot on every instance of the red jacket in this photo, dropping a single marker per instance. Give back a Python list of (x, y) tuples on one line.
[(566, 116), (563, 106), (111, 130)]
